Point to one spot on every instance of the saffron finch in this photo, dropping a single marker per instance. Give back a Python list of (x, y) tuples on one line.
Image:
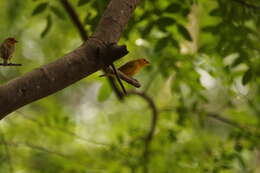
[(132, 67)]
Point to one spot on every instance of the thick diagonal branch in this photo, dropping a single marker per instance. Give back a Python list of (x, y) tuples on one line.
[(83, 34), (71, 68)]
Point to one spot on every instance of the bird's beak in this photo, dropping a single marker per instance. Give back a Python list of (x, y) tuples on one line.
[(15, 41)]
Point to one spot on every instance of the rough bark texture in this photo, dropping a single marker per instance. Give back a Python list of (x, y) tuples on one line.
[(85, 60), (83, 34)]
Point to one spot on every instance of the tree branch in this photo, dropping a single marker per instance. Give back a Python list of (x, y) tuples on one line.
[(83, 33), (150, 133), (74, 66)]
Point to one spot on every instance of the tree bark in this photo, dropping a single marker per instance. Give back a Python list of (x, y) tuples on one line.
[(81, 62), (84, 36)]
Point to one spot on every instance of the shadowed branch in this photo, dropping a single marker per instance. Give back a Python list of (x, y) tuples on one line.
[(150, 134)]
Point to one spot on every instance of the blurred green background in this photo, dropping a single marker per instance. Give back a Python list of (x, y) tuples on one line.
[(203, 79)]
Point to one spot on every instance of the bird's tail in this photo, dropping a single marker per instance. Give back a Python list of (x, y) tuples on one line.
[(5, 61)]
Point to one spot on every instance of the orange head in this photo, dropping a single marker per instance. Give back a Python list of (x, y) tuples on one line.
[(143, 62), (10, 40)]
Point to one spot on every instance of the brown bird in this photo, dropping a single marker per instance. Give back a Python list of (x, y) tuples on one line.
[(131, 67), (7, 49)]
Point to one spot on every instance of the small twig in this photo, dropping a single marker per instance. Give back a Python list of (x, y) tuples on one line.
[(150, 134), (118, 79), (222, 120), (249, 131), (124, 77), (112, 82), (246, 4), (65, 131), (10, 64), (226, 121), (115, 88), (42, 149), (75, 19)]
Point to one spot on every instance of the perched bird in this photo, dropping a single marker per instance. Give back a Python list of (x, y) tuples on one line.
[(7, 49), (131, 67)]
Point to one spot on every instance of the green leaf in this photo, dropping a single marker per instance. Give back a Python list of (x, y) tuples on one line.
[(237, 61), (104, 92), (173, 8), (211, 29), (184, 32), (157, 12), (48, 26), (87, 19), (165, 21), (146, 15), (241, 161), (161, 44), (175, 43), (94, 21), (82, 2), (40, 8), (247, 77), (185, 11), (147, 29), (215, 12), (57, 12)]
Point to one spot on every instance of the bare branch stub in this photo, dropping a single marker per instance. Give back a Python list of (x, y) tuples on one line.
[(111, 52)]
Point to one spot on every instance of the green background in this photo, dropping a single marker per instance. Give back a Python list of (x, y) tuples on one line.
[(203, 79)]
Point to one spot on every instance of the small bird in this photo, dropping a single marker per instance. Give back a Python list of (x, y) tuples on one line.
[(7, 49), (131, 67)]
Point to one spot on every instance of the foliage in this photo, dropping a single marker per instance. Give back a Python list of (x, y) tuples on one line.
[(204, 81)]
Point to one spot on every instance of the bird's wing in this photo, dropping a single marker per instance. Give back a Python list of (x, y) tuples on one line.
[(4, 52), (1, 51), (128, 66)]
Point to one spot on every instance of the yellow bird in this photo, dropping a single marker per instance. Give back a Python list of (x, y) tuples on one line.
[(131, 67)]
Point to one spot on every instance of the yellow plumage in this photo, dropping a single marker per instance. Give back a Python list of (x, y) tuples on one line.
[(131, 67)]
